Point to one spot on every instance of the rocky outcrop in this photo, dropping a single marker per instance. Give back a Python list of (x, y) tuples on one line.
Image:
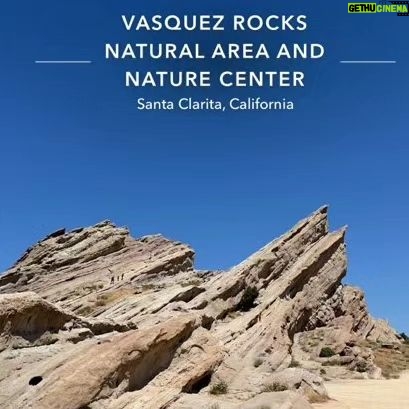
[(189, 339), (98, 370), (26, 319), (69, 268)]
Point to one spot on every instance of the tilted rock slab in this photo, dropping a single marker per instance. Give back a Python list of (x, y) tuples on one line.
[(26, 318), (187, 333), (126, 362)]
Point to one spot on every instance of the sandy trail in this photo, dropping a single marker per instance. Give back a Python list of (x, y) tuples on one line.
[(368, 394)]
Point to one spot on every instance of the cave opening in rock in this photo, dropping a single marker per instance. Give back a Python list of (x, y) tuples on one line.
[(199, 384), (35, 380), (247, 301)]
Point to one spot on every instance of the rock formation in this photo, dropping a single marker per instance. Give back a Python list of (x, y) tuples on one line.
[(95, 319)]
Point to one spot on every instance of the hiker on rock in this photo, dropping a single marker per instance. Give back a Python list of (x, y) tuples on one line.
[(112, 276)]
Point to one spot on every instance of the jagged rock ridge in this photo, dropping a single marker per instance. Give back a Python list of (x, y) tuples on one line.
[(92, 318)]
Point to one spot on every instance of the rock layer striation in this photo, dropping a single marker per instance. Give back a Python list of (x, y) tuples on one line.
[(93, 318)]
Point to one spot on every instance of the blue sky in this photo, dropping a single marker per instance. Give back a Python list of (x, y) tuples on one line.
[(74, 149)]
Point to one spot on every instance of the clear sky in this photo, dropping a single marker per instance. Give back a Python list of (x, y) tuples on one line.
[(75, 150)]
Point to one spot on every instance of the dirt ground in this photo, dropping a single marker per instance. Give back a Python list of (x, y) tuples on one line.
[(368, 394)]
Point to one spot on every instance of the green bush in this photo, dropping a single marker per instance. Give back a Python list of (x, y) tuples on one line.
[(247, 300), (361, 366), (84, 310), (275, 387), (219, 388), (327, 352), (405, 338)]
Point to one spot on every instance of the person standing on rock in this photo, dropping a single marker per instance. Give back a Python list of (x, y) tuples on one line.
[(112, 276)]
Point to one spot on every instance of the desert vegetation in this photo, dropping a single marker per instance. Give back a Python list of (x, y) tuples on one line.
[(219, 388), (392, 360), (243, 332), (327, 352), (247, 300), (275, 387)]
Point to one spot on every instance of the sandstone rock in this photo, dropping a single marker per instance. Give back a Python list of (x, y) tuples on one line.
[(382, 332), (276, 401), (89, 270), (279, 400), (128, 362), (302, 380), (29, 318), (189, 338), (285, 309)]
